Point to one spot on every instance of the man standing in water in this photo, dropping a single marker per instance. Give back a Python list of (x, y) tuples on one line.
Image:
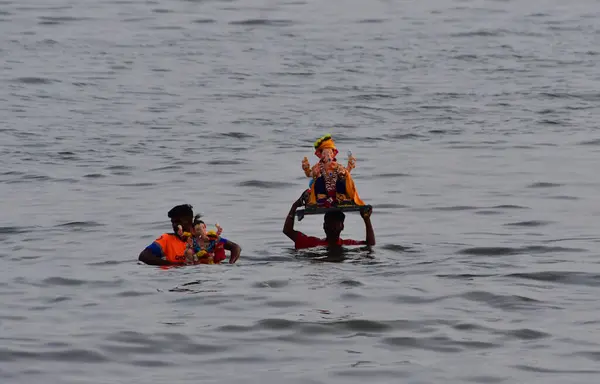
[(169, 248), (333, 225)]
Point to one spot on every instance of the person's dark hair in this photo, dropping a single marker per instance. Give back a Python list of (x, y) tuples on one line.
[(183, 210), (335, 216), (197, 219)]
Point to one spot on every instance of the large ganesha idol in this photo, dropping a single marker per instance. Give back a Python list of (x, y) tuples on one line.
[(331, 184)]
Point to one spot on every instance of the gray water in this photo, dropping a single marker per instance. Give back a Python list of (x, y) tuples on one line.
[(475, 128)]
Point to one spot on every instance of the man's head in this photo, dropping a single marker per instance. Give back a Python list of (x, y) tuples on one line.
[(182, 215), (333, 223)]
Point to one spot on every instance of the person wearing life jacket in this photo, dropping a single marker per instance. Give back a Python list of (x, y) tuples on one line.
[(169, 248)]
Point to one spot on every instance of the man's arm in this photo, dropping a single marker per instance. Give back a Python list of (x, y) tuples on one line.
[(366, 215), (288, 227), (148, 257), (234, 249)]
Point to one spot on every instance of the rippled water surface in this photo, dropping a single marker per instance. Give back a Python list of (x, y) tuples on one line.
[(475, 128)]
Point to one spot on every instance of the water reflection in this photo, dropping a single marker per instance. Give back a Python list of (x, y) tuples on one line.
[(336, 254)]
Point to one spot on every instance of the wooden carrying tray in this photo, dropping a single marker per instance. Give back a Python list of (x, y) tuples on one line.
[(312, 210)]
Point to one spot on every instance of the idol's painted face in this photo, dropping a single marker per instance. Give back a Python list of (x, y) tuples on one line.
[(202, 230), (326, 155)]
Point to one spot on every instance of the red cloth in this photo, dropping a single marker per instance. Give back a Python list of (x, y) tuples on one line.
[(303, 241)]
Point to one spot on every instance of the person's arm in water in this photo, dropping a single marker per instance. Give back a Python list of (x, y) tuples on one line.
[(154, 254), (288, 227), (366, 215), (147, 256), (234, 249)]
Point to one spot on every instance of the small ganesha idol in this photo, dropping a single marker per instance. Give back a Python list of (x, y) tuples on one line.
[(201, 244), (331, 184)]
